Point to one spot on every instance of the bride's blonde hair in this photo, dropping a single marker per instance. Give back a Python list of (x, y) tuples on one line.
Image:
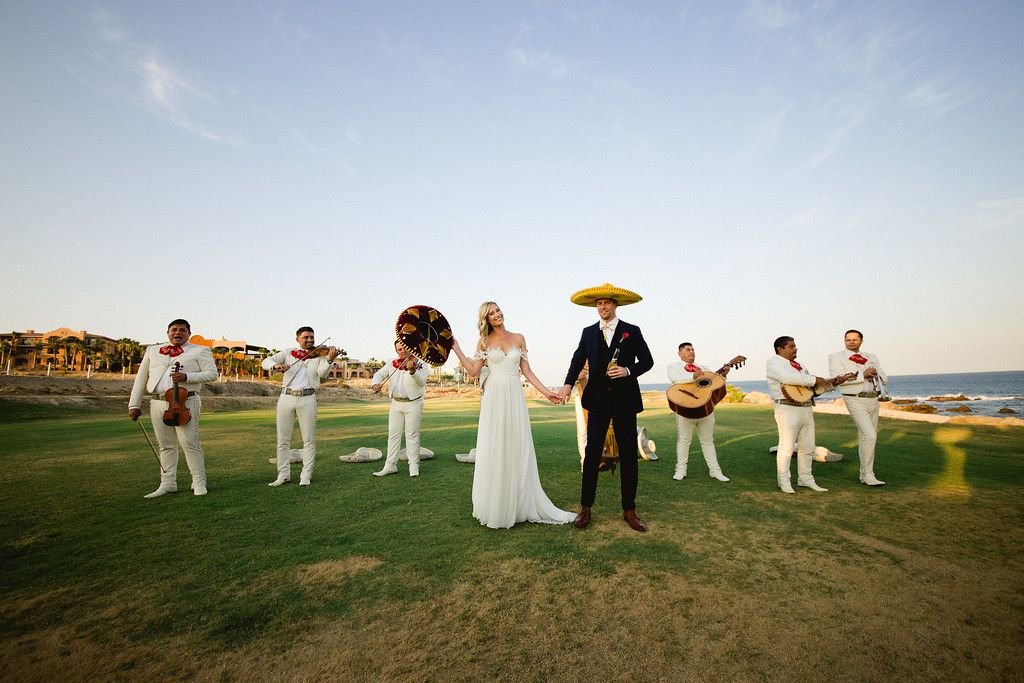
[(482, 324)]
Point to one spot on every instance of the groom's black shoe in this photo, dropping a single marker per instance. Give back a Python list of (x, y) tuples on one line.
[(634, 522), (583, 518)]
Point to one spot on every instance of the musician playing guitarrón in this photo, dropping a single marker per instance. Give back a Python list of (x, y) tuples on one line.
[(861, 398), (685, 371), (406, 377), (303, 368), (795, 419), (156, 377)]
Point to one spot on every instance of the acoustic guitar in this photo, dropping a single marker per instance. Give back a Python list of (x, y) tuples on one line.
[(697, 398), (799, 394)]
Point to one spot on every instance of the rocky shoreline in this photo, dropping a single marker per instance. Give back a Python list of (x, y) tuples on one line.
[(108, 392)]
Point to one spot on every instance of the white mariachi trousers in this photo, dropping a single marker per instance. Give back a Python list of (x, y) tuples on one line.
[(705, 428), (796, 426), (864, 412), (169, 438), (290, 408), (404, 416)]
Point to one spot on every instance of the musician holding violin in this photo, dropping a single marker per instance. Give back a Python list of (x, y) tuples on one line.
[(172, 376), (405, 378), (303, 368), (685, 372), (793, 389)]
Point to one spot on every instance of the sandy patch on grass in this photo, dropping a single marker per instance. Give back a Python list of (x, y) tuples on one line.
[(332, 572)]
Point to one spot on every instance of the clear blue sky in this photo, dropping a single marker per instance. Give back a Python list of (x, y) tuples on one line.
[(751, 168)]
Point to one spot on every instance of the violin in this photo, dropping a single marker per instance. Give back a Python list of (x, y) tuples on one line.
[(321, 349), (176, 414), (316, 352)]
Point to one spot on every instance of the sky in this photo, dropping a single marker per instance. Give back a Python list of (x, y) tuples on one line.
[(752, 169)]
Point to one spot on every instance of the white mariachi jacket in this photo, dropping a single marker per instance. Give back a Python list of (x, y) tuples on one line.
[(677, 373), (411, 382), (780, 371), (196, 362), (316, 368), (839, 363)]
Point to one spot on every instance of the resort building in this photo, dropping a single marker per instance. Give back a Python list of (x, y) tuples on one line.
[(64, 348)]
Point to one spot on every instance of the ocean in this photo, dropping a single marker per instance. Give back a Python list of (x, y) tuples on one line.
[(987, 391)]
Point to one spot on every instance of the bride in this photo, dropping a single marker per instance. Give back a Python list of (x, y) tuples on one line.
[(506, 484)]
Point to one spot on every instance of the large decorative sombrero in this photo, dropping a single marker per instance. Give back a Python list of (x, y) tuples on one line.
[(590, 295), (425, 333)]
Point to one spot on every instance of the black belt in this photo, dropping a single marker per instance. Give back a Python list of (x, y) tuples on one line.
[(864, 394), (405, 400), (299, 392), (795, 404), (160, 397)]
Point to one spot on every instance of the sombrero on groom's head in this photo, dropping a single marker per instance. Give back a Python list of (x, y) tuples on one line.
[(590, 295)]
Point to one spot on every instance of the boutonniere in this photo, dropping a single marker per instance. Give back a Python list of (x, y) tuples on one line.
[(625, 336)]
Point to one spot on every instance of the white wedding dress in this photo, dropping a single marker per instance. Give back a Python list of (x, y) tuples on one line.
[(506, 484)]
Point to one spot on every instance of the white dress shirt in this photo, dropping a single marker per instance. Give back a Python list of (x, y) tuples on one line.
[(678, 374), (608, 329), (839, 363), (780, 371)]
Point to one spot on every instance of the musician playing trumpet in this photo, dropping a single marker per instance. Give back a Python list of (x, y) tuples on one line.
[(686, 371), (406, 378), (303, 368), (861, 396), (794, 418)]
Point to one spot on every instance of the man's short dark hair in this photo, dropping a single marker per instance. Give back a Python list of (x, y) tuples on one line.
[(179, 321), (857, 332), (781, 342), (684, 344), (304, 328)]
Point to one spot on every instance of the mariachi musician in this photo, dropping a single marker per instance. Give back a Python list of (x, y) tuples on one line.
[(163, 369), (406, 378), (861, 396), (303, 368), (793, 389), (686, 371)]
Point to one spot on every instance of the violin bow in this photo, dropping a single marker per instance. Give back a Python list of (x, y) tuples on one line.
[(418, 361), (151, 447), (291, 365)]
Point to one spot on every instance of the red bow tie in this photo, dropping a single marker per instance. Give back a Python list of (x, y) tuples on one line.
[(858, 359), (300, 354), (171, 350), (690, 367), (796, 365)]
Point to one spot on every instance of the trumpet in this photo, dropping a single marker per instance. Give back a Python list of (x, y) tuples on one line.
[(878, 385)]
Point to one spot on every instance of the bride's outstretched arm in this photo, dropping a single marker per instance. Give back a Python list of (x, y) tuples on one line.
[(472, 365), (524, 367)]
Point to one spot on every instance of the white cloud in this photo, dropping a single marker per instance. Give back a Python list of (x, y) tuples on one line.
[(433, 66), (934, 98), (523, 57), (769, 15), (170, 93)]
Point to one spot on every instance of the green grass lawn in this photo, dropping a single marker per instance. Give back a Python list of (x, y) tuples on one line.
[(392, 578)]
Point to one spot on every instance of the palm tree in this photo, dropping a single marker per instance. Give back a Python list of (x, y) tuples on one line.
[(5, 352), (126, 351), (72, 351), (15, 337), (37, 348), (220, 357), (52, 344)]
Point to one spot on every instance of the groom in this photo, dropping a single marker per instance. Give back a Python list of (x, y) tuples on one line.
[(617, 354)]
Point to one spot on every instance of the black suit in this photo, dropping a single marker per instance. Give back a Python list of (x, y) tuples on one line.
[(611, 400)]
